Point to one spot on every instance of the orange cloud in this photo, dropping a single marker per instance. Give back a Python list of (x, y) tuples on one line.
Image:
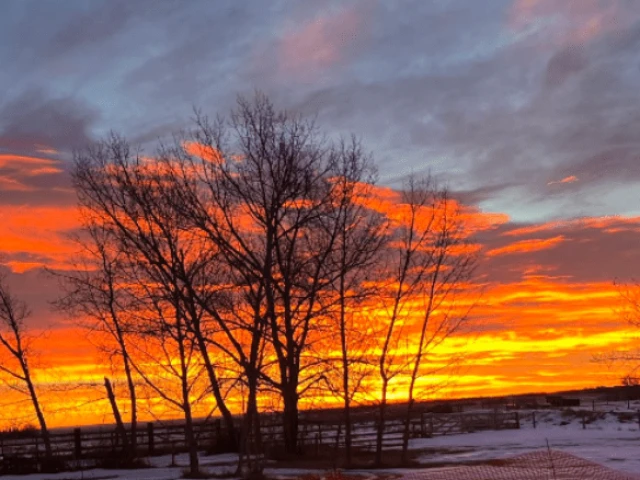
[(46, 150), (204, 152), (388, 201), (523, 246), (44, 171), (8, 184), (569, 179), (609, 224), (11, 159), (25, 165), (39, 232)]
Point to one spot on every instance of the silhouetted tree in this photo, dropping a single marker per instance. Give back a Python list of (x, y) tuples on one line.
[(97, 293), (445, 262), (428, 265), (361, 235), (16, 342), (166, 345), (255, 241), (130, 197), (263, 195)]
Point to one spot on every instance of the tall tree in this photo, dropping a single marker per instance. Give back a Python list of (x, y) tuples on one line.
[(262, 196), (169, 360), (361, 235), (130, 196), (427, 267), (97, 293), (16, 343), (263, 238), (445, 296)]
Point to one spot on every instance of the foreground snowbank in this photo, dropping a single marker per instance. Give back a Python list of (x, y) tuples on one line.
[(540, 465)]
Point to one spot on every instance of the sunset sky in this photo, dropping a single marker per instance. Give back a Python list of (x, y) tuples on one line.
[(527, 109)]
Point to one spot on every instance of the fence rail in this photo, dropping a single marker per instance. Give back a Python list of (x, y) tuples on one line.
[(89, 446)]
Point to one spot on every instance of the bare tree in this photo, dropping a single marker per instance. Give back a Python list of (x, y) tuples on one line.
[(361, 235), (427, 268), (131, 198), (253, 240), (96, 292), (16, 343), (176, 369), (444, 299), (262, 196)]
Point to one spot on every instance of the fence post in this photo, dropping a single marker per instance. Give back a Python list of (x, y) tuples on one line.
[(534, 419), (77, 442), (431, 425), (317, 444), (173, 454), (38, 454), (422, 431), (517, 420), (150, 440)]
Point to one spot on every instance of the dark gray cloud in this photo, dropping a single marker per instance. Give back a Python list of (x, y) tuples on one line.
[(502, 107), (37, 135), (38, 300), (481, 194), (34, 119), (565, 63), (518, 112)]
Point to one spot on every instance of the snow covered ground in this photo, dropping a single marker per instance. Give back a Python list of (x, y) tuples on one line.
[(608, 440)]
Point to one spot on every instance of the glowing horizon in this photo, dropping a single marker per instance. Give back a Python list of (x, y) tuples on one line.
[(538, 331)]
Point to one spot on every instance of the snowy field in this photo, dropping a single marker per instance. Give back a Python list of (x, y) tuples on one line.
[(606, 441), (611, 440)]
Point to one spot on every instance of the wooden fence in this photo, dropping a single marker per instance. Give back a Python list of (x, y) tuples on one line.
[(87, 447)]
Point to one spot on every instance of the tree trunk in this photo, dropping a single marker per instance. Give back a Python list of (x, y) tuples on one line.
[(189, 434), (194, 462), (251, 438), (407, 425), (418, 361), (345, 377), (381, 422), (116, 415), (36, 405), (290, 418), (134, 406), (227, 417), (347, 430)]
